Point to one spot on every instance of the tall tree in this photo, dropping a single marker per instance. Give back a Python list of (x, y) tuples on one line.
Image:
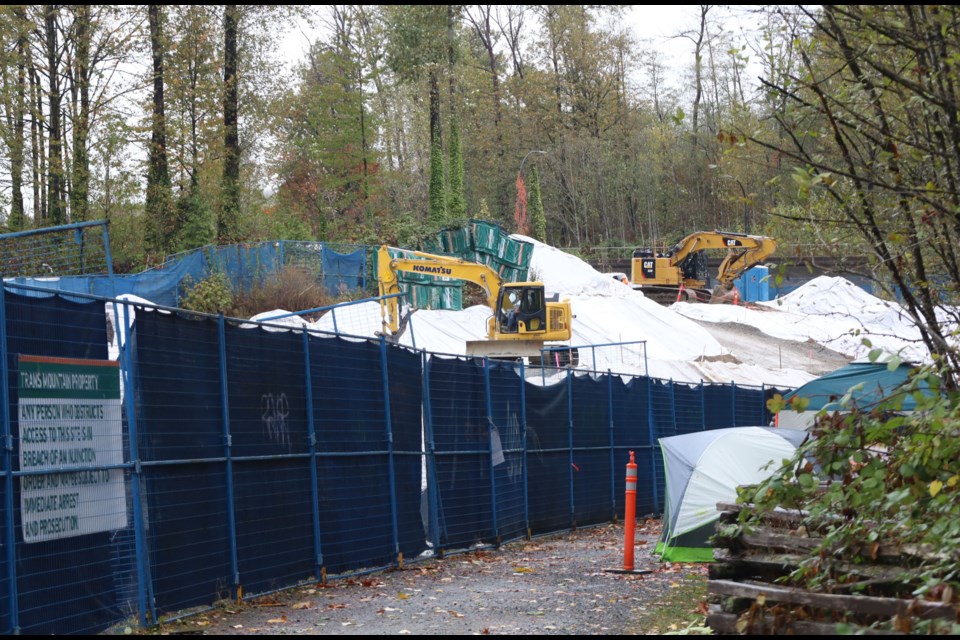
[(57, 213), (159, 210), (80, 91), (457, 204), (14, 96), (229, 212), (417, 49)]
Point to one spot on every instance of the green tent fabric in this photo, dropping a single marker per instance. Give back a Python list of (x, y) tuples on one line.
[(874, 380), (704, 468)]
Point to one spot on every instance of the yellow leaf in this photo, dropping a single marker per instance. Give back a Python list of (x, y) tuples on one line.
[(952, 482), (761, 599), (522, 570), (402, 596), (935, 487), (301, 605)]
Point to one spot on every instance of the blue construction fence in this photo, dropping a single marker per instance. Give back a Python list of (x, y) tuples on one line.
[(158, 461), (339, 267)]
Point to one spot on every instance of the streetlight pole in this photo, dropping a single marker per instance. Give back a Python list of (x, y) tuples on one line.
[(522, 162)]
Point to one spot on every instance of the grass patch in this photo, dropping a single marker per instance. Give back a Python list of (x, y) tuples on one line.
[(681, 609)]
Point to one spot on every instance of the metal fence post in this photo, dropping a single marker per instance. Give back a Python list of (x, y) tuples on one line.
[(491, 428), (433, 486), (673, 406), (733, 403), (523, 439), (389, 427), (703, 407), (107, 255), (11, 538), (573, 511), (228, 453), (613, 494), (653, 444), (763, 404), (144, 583), (319, 570)]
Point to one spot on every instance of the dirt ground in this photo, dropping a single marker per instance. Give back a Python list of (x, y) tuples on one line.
[(551, 585), (749, 345)]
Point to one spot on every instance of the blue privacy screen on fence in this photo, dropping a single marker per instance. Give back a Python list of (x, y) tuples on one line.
[(64, 582), (234, 457)]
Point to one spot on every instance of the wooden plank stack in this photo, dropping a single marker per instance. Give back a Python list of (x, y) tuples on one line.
[(750, 593)]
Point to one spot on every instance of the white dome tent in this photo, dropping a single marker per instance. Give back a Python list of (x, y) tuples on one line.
[(705, 468)]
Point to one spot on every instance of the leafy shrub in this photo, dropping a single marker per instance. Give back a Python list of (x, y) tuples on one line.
[(213, 294), (293, 289)]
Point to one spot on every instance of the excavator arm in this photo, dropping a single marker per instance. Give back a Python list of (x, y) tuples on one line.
[(754, 250), (743, 251), (681, 273), (389, 268), (522, 318)]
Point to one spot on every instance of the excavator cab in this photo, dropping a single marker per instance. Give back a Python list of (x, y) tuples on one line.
[(521, 309)]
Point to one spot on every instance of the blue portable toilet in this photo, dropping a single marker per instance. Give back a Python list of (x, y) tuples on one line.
[(754, 285)]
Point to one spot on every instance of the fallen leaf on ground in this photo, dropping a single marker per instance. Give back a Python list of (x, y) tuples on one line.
[(279, 620), (302, 605)]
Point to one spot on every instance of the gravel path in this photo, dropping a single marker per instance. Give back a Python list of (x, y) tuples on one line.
[(551, 585)]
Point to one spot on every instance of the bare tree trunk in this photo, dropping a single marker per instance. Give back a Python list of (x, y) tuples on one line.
[(484, 31), (698, 70), (16, 123), (159, 230), (37, 146), (57, 212), (511, 26), (80, 187)]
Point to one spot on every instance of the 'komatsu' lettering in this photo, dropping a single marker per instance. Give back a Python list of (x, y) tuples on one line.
[(444, 271)]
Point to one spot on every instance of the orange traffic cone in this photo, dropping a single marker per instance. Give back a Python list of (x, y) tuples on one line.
[(736, 296)]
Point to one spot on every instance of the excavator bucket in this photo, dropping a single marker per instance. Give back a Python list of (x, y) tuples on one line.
[(722, 294), (503, 349)]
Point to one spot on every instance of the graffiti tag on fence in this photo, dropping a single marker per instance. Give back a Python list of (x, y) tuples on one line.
[(274, 412)]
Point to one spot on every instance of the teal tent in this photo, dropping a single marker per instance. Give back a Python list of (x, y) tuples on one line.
[(874, 381)]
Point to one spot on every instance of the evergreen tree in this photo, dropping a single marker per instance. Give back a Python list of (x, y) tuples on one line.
[(538, 219), (457, 207), (438, 198)]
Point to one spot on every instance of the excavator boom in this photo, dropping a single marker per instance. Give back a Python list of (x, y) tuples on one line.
[(680, 273)]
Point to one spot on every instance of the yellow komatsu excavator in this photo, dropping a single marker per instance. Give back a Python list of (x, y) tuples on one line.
[(523, 320), (681, 272)]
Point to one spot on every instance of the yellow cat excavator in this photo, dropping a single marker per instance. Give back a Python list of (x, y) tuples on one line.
[(681, 272), (523, 319)]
